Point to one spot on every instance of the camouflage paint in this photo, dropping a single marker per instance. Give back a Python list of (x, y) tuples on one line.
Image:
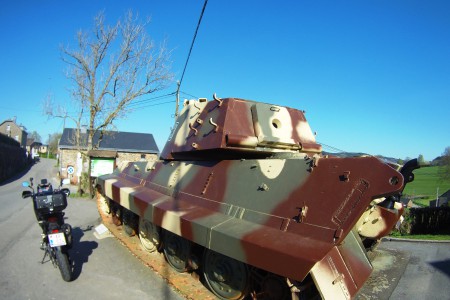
[(247, 180)]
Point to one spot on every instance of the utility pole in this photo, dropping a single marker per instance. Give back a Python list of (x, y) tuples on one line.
[(178, 100), (437, 197)]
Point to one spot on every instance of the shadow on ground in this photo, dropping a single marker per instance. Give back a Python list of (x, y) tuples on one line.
[(443, 266), (81, 250)]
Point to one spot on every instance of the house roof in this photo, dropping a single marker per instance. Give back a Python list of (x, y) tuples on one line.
[(112, 140), (21, 127), (32, 142), (446, 194)]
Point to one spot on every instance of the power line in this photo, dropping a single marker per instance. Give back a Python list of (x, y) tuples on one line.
[(153, 104), (331, 148), (177, 102), (187, 94), (137, 104), (152, 99), (193, 41)]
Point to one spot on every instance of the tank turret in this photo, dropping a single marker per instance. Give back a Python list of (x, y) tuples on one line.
[(243, 190), (237, 128)]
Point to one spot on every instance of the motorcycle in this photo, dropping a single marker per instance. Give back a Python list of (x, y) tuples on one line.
[(49, 204)]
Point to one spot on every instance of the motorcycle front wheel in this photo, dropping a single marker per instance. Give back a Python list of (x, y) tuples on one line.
[(62, 259)]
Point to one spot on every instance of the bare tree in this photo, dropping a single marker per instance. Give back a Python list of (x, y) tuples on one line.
[(53, 141), (34, 135), (111, 66)]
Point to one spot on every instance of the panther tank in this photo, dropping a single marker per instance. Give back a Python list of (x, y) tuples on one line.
[(243, 195)]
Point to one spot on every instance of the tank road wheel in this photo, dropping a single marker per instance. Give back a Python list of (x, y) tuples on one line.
[(149, 235), (226, 277), (176, 251), (130, 222), (116, 213)]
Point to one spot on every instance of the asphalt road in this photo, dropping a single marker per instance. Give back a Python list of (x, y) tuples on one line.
[(103, 268), (427, 272), (409, 270)]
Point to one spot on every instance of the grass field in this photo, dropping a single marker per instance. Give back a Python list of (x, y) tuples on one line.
[(431, 237), (425, 185)]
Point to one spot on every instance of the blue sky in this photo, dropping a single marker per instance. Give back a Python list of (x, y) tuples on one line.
[(372, 76)]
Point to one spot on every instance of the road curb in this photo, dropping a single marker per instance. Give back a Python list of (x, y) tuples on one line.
[(413, 240)]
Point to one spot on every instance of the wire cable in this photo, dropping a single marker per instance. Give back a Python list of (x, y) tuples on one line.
[(190, 95), (331, 148), (152, 99), (153, 104), (193, 41)]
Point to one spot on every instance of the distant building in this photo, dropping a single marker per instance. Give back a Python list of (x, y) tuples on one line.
[(12, 130), (43, 148), (115, 147), (33, 147), (443, 200)]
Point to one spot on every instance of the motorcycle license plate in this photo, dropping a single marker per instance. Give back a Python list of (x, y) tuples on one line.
[(57, 239)]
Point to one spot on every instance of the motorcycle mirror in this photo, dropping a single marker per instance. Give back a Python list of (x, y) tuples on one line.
[(25, 184), (66, 191)]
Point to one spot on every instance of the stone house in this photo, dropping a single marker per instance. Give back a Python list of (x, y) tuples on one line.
[(114, 148), (12, 130)]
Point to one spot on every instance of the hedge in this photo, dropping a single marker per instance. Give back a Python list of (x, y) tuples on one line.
[(427, 220), (12, 160), (4, 139)]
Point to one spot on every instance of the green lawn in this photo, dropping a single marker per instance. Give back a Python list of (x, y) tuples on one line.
[(431, 237), (425, 185)]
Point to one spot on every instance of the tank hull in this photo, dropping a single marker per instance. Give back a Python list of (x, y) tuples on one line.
[(246, 183), (281, 215)]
